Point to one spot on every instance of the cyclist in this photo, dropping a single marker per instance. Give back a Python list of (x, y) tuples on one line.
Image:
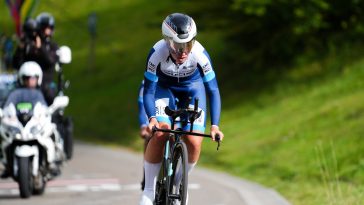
[(178, 66), (40, 48), (143, 122)]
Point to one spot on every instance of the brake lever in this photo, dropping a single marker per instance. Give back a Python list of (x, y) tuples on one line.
[(154, 129), (218, 140)]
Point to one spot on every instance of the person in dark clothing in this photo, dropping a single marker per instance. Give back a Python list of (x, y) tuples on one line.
[(7, 52), (37, 45)]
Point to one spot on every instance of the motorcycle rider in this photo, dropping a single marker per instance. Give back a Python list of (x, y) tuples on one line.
[(37, 45), (30, 78), (178, 66)]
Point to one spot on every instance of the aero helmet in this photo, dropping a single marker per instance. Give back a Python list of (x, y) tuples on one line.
[(30, 69), (179, 31)]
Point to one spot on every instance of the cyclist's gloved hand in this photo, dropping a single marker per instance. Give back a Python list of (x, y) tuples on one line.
[(215, 130), (152, 122)]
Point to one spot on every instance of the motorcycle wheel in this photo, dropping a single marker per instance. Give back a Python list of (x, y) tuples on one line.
[(68, 137), (25, 180)]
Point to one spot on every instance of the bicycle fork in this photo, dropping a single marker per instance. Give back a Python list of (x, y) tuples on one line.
[(170, 172)]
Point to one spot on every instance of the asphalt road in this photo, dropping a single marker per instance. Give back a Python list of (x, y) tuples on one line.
[(98, 175)]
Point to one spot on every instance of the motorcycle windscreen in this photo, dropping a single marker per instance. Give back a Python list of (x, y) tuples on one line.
[(24, 112)]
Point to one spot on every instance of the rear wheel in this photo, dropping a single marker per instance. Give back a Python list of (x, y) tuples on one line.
[(178, 182), (25, 179)]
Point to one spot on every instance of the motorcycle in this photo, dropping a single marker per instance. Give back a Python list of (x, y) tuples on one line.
[(32, 144), (37, 139)]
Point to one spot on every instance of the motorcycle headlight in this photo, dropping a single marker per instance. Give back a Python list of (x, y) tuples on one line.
[(13, 131), (18, 136)]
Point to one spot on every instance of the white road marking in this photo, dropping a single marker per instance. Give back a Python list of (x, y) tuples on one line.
[(80, 185)]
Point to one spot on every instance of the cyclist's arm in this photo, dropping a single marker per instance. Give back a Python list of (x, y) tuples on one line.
[(211, 86), (143, 121), (148, 98), (213, 93), (150, 85)]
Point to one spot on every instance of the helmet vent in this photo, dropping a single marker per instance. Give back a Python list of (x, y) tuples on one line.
[(183, 36)]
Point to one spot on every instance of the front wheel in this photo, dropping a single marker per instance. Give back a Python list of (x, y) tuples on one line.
[(25, 177), (178, 182), (160, 189)]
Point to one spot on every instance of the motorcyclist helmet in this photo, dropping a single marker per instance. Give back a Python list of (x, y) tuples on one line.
[(179, 31), (30, 27), (30, 69), (45, 20)]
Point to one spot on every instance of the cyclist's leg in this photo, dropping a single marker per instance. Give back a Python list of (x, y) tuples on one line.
[(163, 97), (194, 143), (154, 151)]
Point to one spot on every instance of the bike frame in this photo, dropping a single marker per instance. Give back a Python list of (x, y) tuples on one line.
[(174, 139)]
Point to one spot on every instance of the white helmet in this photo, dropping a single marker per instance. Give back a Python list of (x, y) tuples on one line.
[(179, 31), (30, 69)]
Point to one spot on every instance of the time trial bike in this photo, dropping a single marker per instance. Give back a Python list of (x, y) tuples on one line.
[(172, 183)]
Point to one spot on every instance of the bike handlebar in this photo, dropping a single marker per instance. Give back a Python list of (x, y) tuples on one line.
[(217, 137), (192, 114)]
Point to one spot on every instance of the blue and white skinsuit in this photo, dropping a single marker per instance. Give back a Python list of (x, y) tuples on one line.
[(164, 81)]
